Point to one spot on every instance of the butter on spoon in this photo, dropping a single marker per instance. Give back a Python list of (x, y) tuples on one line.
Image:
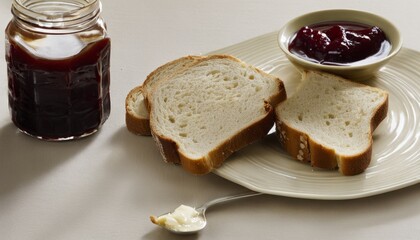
[(188, 220)]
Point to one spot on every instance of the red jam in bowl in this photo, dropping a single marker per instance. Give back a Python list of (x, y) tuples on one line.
[(340, 43)]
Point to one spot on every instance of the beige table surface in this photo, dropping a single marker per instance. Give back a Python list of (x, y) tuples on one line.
[(106, 186)]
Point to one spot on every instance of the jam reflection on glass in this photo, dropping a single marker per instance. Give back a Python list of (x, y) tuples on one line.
[(58, 84), (340, 43)]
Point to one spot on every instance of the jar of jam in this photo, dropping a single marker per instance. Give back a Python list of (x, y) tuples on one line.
[(58, 65)]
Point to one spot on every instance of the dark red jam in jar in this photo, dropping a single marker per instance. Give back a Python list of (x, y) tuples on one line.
[(340, 43), (58, 62)]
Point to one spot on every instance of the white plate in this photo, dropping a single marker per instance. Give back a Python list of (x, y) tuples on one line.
[(395, 161)]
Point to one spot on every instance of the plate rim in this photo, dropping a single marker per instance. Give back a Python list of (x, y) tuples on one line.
[(306, 195)]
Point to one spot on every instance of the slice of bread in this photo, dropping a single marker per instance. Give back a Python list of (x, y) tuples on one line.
[(329, 122), (203, 114), (136, 113), (136, 110)]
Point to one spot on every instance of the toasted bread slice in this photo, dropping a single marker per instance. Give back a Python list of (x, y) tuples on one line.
[(329, 122), (213, 108)]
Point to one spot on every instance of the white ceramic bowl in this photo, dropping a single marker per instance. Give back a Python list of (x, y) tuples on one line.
[(355, 72)]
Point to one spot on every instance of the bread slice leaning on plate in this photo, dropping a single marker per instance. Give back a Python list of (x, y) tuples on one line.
[(211, 109), (136, 110), (329, 122)]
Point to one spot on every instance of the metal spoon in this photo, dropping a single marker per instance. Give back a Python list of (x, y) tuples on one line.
[(200, 214)]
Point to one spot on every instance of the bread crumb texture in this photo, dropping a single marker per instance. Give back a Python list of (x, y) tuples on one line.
[(209, 103)]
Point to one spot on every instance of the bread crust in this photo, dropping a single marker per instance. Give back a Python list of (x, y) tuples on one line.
[(149, 77), (276, 99), (254, 132), (380, 114), (134, 123), (167, 147), (303, 148)]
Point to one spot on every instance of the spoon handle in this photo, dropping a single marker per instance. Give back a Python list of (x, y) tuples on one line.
[(229, 198)]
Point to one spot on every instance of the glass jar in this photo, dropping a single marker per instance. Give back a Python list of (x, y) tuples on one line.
[(58, 64)]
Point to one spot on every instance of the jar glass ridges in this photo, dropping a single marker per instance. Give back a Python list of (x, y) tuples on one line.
[(58, 60)]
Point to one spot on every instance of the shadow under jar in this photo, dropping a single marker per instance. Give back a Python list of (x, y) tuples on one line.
[(58, 62)]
